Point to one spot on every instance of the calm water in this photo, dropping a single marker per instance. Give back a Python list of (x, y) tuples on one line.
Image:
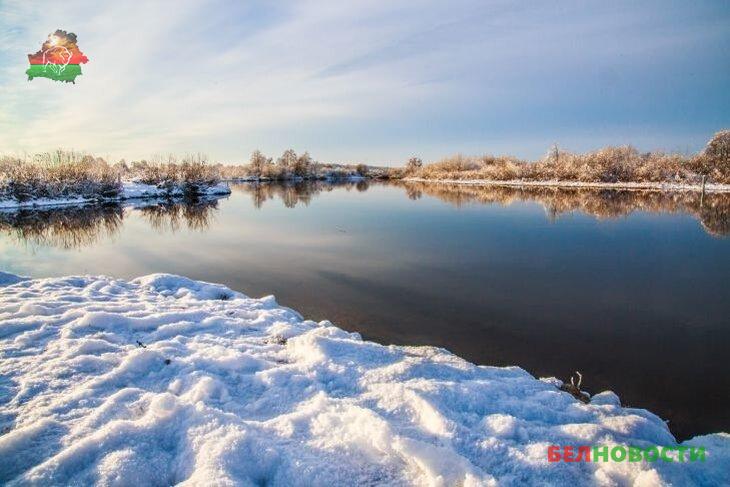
[(630, 289)]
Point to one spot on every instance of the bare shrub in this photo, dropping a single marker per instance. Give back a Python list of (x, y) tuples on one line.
[(160, 171), (362, 169), (607, 165), (195, 171), (58, 174), (414, 164), (303, 165), (714, 160), (191, 174), (451, 167), (64, 174), (258, 162)]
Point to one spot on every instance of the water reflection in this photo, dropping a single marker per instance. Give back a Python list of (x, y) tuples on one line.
[(66, 228), (297, 192), (172, 216), (77, 227), (492, 283), (712, 209)]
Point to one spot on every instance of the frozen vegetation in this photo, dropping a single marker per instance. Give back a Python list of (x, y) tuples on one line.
[(162, 380), (610, 167), (68, 177), (291, 166)]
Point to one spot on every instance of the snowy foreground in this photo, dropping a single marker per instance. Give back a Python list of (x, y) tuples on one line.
[(130, 191), (162, 380)]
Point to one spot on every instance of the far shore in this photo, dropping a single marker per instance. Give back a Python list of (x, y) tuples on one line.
[(651, 186)]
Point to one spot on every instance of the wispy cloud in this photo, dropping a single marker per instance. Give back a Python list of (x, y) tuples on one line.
[(366, 80)]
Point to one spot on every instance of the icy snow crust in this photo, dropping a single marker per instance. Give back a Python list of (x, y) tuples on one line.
[(227, 390)]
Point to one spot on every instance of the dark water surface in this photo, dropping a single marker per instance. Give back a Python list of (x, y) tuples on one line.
[(632, 289)]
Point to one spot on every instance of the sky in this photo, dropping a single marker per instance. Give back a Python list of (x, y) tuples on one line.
[(367, 81)]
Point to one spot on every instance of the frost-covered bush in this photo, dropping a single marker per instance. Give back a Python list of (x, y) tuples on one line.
[(714, 160), (58, 174), (191, 174), (606, 165), (70, 174)]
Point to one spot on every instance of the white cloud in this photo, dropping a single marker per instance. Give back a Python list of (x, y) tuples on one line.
[(156, 83), (357, 79)]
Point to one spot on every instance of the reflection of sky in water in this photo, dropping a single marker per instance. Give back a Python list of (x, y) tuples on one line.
[(626, 300)]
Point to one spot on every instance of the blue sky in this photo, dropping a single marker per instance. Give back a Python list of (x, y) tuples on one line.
[(368, 81)]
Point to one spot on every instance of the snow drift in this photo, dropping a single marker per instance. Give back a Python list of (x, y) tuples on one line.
[(164, 380)]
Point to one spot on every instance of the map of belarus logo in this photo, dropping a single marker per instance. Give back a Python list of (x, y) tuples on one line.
[(59, 58)]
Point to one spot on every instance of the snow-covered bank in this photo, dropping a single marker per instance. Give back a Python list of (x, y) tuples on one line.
[(162, 379), (130, 190), (709, 187)]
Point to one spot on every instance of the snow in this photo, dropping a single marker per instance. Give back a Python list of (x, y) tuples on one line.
[(14, 204), (675, 187), (163, 379), (133, 190), (130, 190)]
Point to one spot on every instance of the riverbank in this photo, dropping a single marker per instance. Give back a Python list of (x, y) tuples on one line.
[(651, 186), (613, 167), (130, 190), (163, 379)]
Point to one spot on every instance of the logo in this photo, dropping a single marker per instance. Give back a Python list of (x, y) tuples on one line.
[(619, 453), (59, 58)]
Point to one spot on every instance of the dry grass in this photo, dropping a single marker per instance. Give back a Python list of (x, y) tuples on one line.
[(290, 166), (192, 172), (58, 174), (67, 174), (465, 167), (607, 165)]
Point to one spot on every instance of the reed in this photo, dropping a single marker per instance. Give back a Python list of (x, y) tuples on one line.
[(622, 164)]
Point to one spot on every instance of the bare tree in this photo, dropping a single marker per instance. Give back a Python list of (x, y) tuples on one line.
[(287, 161), (258, 163), (555, 153), (303, 165), (717, 153), (713, 163), (414, 164)]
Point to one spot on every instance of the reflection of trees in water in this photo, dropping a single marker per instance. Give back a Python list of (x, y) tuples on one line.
[(413, 192), (715, 216), (66, 228), (169, 216), (712, 209), (295, 192), (78, 227)]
